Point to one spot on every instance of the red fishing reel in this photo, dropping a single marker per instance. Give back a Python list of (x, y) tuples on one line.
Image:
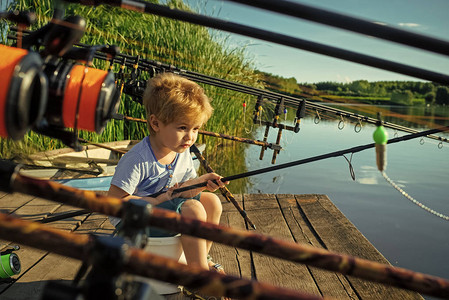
[(23, 91)]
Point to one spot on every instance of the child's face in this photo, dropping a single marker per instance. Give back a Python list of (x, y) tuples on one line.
[(178, 136)]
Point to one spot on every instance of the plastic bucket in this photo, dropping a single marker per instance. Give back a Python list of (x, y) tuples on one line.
[(168, 247)]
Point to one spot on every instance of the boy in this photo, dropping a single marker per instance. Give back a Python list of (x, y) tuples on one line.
[(176, 108)]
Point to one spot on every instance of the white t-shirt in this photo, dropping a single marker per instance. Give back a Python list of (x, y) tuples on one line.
[(139, 173)]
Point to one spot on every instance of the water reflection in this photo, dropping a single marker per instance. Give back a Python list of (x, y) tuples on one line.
[(406, 234)]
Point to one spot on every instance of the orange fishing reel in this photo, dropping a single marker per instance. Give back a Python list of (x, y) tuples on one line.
[(23, 91), (50, 91), (80, 97)]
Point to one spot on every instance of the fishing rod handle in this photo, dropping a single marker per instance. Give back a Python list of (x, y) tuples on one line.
[(172, 221), (182, 189), (138, 262)]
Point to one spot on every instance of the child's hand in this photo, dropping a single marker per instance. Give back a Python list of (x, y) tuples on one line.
[(213, 181), (168, 195)]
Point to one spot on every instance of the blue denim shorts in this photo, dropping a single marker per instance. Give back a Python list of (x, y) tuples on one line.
[(173, 205)]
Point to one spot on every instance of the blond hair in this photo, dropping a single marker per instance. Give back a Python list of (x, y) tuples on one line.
[(171, 97)]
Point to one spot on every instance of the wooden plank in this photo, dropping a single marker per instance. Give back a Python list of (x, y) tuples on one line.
[(97, 223), (31, 285), (34, 210), (29, 208), (37, 209), (339, 235), (234, 261), (311, 219), (266, 213), (48, 266), (69, 224), (330, 284), (9, 203), (28, 258), (85, 160)]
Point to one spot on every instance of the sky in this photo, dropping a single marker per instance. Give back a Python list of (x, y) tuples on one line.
[(426, 17)]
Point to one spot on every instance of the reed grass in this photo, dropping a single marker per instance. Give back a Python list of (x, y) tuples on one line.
[(181, 44)]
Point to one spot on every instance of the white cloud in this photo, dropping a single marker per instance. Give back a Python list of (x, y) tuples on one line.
[(368, 175), (342, 78), (368, 180)]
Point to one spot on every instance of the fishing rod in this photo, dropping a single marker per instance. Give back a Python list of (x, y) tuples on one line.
[(11, 180), (200, 77), (370, 28), (81, 140), (152, 66), (276, 147), (308, 160), (273, 96), (224, 190), (164, 11), (223, 136), (115, 256), (25, 18)]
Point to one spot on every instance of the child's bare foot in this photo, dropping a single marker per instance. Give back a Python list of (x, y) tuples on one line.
[(216, 267)]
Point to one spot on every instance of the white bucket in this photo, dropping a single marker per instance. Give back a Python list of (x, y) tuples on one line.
[(168, 247)]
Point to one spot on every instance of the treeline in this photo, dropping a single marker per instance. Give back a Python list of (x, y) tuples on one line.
[(280, 84), (399, 92), (394, 92)]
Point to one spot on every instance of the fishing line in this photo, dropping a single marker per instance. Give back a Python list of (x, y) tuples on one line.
[(317, 118), (23, 92), (351, 169), (395, 134), (289, 140), (342, 123), (358, 126), (248, 131)]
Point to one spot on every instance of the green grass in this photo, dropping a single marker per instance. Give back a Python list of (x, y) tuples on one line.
[(184, 45)]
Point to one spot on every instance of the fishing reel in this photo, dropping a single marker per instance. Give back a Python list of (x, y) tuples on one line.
[(23, 92), (9, 263), (135, 89), (135, 86), (80, 96), (56, 88)]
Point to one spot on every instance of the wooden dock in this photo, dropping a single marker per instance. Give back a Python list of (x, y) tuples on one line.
[(309, 219)]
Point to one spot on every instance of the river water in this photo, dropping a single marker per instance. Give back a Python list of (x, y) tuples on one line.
[(404, 233)]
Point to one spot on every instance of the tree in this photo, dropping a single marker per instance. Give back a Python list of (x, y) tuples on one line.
[(430, 98), (442, 95), (360, 86), (402, 97)]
